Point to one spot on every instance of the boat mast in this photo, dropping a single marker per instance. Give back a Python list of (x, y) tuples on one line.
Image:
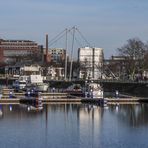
[(66, 45), (70, 77)]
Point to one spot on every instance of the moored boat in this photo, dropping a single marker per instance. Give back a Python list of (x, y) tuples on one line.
[(75, 90), (42, 87), (94, 90), (36, 82), (20, 83)]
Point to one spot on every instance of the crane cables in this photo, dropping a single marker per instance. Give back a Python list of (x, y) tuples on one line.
[(56, 38), (83, 37), (70, 31)]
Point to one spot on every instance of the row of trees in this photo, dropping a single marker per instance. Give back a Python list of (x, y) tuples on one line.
[(136, 53)]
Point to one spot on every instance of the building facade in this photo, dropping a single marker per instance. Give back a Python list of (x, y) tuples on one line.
[(12, 51), (91, 62), (19, 69), (55, 73), (57, 55)]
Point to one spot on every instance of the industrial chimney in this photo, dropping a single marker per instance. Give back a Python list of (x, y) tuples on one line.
[(46, 48)]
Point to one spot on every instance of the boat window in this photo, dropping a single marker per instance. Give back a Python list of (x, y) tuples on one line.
[(22, 82)]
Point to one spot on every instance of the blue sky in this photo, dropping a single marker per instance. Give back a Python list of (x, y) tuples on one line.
[(105, 23)]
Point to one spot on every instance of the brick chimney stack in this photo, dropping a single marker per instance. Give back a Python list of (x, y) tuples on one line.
[(46, 48)]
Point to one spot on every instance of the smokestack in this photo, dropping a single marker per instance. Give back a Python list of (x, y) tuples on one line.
[(46, 48)]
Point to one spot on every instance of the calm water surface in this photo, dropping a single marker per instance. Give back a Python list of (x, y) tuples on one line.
[(74, 126)]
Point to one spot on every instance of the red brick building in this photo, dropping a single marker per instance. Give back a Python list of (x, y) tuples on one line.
[(56, 55), (12, 51)]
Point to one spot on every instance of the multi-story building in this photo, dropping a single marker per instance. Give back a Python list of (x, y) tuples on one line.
[(19, 69), (57, 55), (91, 61), (12, 51)]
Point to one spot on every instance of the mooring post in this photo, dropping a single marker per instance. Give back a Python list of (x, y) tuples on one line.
[(53, 90), (10, 94)]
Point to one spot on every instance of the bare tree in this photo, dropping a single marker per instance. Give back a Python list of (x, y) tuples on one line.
[(134, 48), (135, 51)]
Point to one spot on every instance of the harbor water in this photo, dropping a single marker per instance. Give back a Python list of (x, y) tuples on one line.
[(74, 126)]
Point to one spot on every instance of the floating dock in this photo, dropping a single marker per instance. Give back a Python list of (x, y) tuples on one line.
[(64, 97), (78, 100)]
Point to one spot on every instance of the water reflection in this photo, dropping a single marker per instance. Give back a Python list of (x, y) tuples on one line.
[(73, 126), (1, 112), (132, 114), (10, 107)]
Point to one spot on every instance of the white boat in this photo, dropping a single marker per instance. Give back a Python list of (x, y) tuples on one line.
[(20, 83), (37, 82), (42, 87), (94, 90)]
